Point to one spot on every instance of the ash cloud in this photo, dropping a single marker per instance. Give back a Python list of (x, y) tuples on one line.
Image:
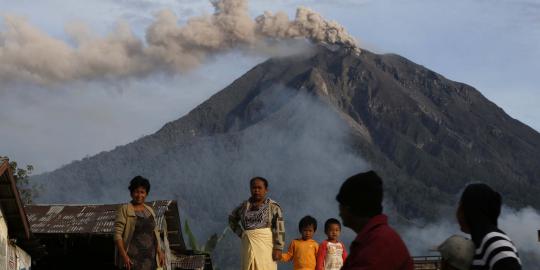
[(28, 54)]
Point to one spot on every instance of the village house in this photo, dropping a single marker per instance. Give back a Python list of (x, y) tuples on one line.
[(81, 236), (14, 227)]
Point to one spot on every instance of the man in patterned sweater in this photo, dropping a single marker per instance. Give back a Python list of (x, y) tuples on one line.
[(477, 214)]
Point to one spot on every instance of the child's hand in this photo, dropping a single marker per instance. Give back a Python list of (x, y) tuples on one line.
[(276, 255)]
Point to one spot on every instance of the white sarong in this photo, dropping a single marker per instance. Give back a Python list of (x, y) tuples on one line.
[(257, 248)]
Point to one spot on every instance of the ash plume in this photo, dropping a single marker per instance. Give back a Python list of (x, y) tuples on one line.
[(28, 54)]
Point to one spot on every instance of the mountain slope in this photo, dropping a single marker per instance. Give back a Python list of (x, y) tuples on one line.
[(307, 122)]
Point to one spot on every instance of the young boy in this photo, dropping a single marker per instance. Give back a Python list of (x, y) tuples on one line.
[(332, 252), (303, 251)]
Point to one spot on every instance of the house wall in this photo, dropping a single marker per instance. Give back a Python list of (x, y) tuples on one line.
[(3, 242)]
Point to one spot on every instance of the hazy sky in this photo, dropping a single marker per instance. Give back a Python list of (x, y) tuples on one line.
[(491, 45)]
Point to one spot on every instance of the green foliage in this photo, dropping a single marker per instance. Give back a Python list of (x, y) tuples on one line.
[(27, 190), (191, 238), (210, 244)]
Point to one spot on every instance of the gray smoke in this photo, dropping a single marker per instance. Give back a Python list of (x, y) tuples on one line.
[(521, 225), (299, 144), (28, 54)]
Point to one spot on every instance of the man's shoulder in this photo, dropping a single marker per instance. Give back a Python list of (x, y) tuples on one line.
[(273, 203), (383, 248), (384, 231), (385, 236)]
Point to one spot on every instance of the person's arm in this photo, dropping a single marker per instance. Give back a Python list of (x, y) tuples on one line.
[(125, 258), (278, 227), (321, 254), (508, 263), (287, 256), (234, 220), (159, 250), (344, 254), (119, 226), (160, 254)]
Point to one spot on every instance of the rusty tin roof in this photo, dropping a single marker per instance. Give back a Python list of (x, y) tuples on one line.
[(99, 219), (92, 219)]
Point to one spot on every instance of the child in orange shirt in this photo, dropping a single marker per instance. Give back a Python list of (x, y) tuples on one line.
[(303, 251), (332, 252)]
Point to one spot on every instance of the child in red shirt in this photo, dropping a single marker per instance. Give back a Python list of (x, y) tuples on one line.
[(332, 252)]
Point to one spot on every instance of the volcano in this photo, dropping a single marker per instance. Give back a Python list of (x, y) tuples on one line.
[(306, 122)]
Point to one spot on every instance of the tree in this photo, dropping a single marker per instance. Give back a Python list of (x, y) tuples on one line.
[(27, 190)]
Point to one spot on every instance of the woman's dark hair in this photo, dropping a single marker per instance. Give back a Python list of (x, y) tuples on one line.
[(307, 221), (329, 222), (481, 205), (265, 182), (362, 194), (139, 181)]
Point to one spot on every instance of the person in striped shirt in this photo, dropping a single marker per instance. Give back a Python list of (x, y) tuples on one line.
[(478, 211)]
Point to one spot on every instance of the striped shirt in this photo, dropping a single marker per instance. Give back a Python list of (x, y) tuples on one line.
[(495, 250)]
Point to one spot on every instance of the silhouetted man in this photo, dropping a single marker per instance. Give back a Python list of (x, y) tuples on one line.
[(377, 246)]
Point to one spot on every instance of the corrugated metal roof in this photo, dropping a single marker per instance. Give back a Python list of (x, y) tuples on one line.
[(99, 219), (189, 262), (83, 219)]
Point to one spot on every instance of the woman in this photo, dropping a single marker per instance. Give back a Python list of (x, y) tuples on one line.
[(478, 213), (136, 235), (259, 222)]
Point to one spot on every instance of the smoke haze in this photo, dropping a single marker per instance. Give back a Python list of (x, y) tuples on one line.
[(299, 144), (520, 224)]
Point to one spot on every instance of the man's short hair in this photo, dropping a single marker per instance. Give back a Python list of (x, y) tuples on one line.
[(362, 194)]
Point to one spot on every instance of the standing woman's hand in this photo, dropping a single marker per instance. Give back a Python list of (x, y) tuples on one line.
[(161, 258), (127, 262), (276, 255)]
